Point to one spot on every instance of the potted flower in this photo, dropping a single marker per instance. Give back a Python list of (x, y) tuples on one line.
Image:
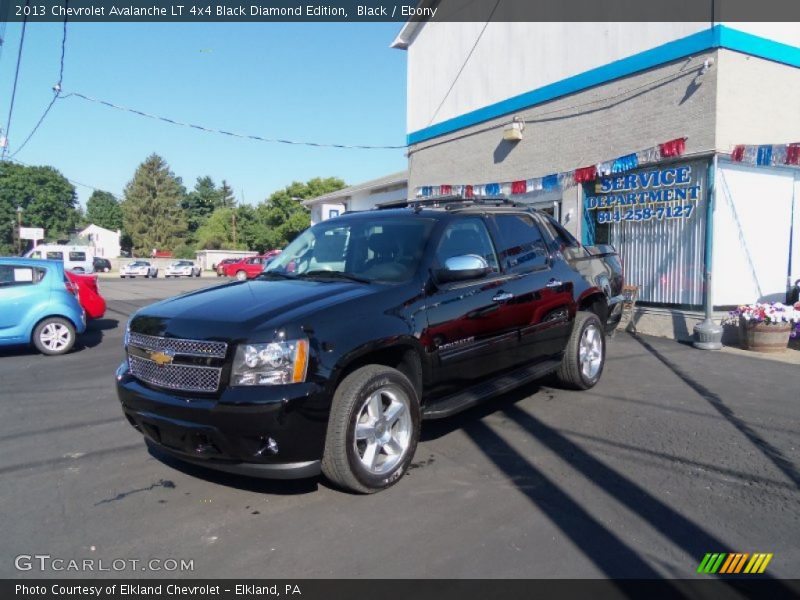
[(766, 326)]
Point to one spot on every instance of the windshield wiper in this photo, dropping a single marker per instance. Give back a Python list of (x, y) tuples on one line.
[(335, 275), (276, 274)]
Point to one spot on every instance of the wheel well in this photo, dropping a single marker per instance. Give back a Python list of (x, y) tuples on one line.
[(403, 358), (597, 304)]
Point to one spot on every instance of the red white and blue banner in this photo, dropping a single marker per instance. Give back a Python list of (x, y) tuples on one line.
[(557, 181), (768, 155)]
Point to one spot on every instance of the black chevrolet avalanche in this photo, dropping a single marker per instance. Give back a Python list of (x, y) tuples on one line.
[(364, 326)]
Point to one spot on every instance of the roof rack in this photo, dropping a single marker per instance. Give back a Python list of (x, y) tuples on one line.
[(457, 203)]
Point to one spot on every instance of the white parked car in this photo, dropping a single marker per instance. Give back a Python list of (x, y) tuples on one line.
[(140, 268), (182, 268)]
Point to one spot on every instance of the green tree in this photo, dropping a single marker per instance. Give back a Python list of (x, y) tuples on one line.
[(282, 216), (47, 200), (104, 210), (217, 232), (201, 202), (226, 197), (152, 213)]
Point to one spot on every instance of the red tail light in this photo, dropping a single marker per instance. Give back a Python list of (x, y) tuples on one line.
[(72, 288)]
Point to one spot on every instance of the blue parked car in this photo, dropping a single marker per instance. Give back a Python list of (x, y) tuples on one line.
[(38, 305)]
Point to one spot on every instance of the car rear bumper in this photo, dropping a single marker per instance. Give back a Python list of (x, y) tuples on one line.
[(261, 432)]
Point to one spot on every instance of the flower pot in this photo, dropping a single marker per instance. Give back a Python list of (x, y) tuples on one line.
[(764, 337)]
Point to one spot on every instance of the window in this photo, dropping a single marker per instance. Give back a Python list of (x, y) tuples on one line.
[(78, 256), (19, 275), (55, 256), (334, 212), (467, 236), (521, 242), (384, 249)]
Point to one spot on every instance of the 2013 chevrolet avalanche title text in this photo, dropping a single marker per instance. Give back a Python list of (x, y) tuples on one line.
[(365, 325)]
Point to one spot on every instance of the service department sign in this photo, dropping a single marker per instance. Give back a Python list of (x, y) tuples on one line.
[(655, 194)]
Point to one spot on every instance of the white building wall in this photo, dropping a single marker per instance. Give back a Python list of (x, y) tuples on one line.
[(758, 101), (104, 242), (513, 58), (367, 201)]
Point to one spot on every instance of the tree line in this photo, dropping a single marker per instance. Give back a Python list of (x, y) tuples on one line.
[(156, 210)]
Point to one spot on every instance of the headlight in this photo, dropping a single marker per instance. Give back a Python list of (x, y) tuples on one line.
[(127, 337), (276, 363)]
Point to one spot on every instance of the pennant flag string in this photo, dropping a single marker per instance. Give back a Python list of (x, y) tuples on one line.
[(563, 180)]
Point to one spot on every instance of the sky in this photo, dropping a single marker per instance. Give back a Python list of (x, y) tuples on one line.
[(321, 82)]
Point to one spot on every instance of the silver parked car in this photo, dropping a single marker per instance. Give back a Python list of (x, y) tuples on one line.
[(138, 268), (182, 268)]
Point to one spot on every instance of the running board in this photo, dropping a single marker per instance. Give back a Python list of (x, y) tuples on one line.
[(455, 403)]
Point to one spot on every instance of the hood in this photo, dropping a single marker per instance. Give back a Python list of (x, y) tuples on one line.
[(241, 310)]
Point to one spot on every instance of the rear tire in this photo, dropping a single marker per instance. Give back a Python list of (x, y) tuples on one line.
[(585, 355), (373, 430), (241, 275), (54, 336)]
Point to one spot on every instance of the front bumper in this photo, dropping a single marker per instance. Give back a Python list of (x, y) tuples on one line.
[(271, 432)]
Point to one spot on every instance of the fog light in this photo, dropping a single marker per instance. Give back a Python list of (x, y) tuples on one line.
[(270, 446)]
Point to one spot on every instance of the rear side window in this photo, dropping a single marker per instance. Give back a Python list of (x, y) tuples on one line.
[(77, 256), (522, 246), (12, 275), (55, 256)]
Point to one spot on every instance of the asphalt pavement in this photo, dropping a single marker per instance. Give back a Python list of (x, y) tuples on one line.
[(676, 453)]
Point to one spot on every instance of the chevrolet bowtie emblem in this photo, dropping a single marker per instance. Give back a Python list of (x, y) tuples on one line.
[(161, 358)]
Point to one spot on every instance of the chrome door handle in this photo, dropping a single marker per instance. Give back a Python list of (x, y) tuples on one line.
[(502, 297), (554, 283)]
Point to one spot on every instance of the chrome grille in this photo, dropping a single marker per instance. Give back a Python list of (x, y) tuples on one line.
[(178, 346), (187, 378)]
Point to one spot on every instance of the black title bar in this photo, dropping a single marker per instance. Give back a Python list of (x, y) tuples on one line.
[(710, 11)]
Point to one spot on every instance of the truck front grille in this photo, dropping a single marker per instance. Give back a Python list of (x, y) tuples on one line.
[(175, 375)]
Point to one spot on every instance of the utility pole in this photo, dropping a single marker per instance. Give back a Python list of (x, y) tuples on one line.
[(19, 230)]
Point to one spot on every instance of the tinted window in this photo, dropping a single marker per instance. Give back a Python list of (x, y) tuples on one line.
[(386, 249), (80, 256), (55, 255), (562, 237), (466, 236), (521, 242)]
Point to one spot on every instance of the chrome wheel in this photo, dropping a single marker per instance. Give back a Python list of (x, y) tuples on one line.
[(590, 352), (55, 337), (383, 430)]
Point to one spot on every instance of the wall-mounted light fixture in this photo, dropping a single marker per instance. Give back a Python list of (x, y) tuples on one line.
[(513, 131)]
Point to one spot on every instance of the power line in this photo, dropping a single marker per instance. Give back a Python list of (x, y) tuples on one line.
[(56, 87), (466, 60), (16, 79), (228, 133)]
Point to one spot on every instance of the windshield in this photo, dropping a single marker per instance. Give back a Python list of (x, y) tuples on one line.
[(384, 249)]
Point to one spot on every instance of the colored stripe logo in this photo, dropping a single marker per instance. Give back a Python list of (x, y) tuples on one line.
[(733, 563)]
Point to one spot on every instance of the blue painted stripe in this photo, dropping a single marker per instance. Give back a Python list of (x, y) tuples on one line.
[(747, 43), (714, 37)]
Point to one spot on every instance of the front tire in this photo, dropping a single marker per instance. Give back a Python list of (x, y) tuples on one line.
[(585, 355), (373, 430), (241, 275), (54, 336)]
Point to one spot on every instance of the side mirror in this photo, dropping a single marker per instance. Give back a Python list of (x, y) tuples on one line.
[(463, 268)]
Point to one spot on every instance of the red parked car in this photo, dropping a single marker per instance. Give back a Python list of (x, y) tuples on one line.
[(250, 266), (88, 294)]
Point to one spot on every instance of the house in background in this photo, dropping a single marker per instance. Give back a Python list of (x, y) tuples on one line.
[(384, 191), (104, 242)]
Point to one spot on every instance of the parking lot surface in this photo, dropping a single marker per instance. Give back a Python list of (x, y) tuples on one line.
[(676, 453)]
